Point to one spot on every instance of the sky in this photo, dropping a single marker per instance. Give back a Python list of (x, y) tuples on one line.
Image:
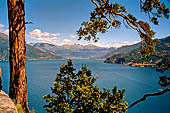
[(56, 22)]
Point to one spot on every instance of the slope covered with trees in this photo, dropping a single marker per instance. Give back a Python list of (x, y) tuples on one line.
[(134, 56), (32, 53), (105, 16), (74, 50)]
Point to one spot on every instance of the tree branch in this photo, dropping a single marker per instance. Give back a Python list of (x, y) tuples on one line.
[(147, 95), (95, 3)]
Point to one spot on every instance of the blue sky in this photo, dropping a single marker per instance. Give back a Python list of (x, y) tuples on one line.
[(58, 20)]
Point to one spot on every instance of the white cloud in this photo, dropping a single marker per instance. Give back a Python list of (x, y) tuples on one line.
[(35, 34), (72, 36), (116, 44), (66, 41), (6, 31), (53, 38), (46, 34), (2, 30), (120, 44), (1, 25), (55, 34), (44, 37)]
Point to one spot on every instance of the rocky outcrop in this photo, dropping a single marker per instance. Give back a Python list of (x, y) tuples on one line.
[(0, 80), (6, 104)]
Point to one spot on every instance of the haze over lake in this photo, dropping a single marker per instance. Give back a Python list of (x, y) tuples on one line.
[(136, 81)]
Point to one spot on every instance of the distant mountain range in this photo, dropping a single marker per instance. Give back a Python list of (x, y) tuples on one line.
[(32, 53), (130, 55), (124, 54), (74, 50), (46, 51)]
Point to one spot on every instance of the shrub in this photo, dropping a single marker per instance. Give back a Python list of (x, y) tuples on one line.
[(76, 93)]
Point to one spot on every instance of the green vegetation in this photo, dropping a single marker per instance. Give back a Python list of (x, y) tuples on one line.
[(108, 14), (162, 51), (75, 93), (21, 110), (32, 53), (74, 50)]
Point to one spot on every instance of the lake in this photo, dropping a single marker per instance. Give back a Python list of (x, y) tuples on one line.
[(136, 81)]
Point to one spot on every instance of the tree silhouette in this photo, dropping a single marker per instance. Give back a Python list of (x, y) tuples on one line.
[(108, 14)]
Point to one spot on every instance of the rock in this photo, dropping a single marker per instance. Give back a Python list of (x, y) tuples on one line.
[(0, 80), (6, 104)]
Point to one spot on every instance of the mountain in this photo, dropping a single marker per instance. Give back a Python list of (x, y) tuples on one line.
[(74, 50), (134, 57), (124, 49), (32, 53)]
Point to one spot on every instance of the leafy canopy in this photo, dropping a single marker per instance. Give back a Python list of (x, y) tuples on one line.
[(108, 14), (75, 93)]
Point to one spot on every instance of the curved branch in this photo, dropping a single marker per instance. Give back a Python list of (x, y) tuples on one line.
[(131, 25), (147, 95), (97, 5)]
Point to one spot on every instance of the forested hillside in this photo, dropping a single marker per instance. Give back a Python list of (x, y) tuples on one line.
[(74, 50), (134, 56), (31, 52)]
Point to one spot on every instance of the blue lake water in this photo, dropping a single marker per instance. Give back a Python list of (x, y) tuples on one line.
[(136, 81)]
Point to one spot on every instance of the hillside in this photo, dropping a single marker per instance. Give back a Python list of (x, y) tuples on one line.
[(31, 52), (134, 57), (75, 50), (124, 49)]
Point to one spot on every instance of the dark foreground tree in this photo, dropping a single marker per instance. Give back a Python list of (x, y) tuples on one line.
[(109, 14), (18, 79), (76, 93)]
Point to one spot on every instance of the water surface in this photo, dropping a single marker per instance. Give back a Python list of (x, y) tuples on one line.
[(136, 81)]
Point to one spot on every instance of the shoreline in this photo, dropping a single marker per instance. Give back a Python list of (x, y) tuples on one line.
[(139, 64)]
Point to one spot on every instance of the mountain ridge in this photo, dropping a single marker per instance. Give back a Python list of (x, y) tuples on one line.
[(31, 52), (73, 51), (135, 58)]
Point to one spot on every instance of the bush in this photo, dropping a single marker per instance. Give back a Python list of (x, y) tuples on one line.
[(76, 93)]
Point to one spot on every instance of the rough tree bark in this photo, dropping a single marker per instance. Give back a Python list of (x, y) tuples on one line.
[(18, 80)]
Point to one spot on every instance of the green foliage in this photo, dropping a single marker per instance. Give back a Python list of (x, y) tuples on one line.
[(163, 66), (92, 28), (109, 14), (21, 110), (134, 56), (31, 53), (164, 81), (75, 93), (155, 10)]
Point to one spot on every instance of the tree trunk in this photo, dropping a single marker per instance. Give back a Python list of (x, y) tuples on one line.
[(18, 80)]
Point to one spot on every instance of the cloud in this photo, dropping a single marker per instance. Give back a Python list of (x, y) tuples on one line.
[(46, 34), (120, 44), (72, 36), (66, 41), (43, 37), (55, 34), (2, 30), (6, 31), (53, 38), (1, 25), (35, 34), (116, 44)]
